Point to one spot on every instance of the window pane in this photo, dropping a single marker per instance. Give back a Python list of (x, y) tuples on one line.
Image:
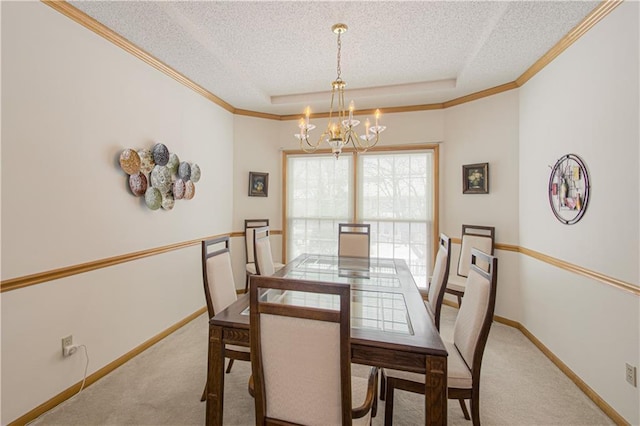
[(319, 196), (397, 200)]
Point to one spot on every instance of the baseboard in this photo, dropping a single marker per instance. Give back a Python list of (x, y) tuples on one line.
[(606, 408), (71, 391), (601, 403), (68, 393)]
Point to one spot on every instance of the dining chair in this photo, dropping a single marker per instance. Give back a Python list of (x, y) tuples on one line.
[(262, 252), (470, 333), (250, 226), (220, 290), (301, 360), (473, 236), (354, 239), (438, 282)]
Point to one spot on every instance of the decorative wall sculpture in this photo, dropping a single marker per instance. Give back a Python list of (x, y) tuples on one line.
[(569, 189), (159, 176)]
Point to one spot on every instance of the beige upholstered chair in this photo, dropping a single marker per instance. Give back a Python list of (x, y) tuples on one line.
[(438, 282), (478, 237), (249, 227), (354, 239), (301, 360), (220, 289), (470, 334), (262, 252)]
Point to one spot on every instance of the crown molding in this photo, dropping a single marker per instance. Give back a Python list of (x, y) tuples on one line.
[(602, 10), (103, 31)]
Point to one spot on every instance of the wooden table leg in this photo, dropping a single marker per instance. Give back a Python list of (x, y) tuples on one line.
[(435, 395), (215, 377)]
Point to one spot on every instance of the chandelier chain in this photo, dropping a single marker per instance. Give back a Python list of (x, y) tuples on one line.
[(339, 49)]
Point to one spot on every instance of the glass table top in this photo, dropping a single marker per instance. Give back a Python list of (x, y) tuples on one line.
[(361, 272), (374, 266), (378, 310)]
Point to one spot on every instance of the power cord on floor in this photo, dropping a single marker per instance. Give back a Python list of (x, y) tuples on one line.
[(86, 367), (84, 380)]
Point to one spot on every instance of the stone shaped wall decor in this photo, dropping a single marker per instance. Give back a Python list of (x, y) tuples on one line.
[(159, 176)]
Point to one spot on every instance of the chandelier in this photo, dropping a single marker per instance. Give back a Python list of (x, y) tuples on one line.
[(340, 130)]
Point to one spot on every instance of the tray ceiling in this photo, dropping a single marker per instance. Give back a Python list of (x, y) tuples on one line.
[(274, 56)]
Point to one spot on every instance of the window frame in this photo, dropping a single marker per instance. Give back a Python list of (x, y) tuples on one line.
[(356, 214)]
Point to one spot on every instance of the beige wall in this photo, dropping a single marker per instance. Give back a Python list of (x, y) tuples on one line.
[(467, 134), (520, 133), (71, 101), (586, 102), (485, 131)]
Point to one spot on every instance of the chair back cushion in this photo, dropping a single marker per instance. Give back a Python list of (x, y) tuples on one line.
[(469, 242), (438, 280), (472, 314), (301, 367), (220, 280), (354, 245), (262, 253), (301, 356)]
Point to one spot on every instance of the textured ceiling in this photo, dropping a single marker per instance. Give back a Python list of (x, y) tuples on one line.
[(246, 53)]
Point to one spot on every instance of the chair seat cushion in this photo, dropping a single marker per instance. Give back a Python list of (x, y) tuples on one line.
[(458, 374), (359, 387), (251, 267), (457, 283)]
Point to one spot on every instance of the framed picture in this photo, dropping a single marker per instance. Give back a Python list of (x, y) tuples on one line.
[(475, 178), (258, 184)]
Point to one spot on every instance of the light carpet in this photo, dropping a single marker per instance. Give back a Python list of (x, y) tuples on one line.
[(163, 385)]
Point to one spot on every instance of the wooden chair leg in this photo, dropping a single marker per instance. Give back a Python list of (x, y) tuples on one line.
[(204, 393), (388, 405), (374, 407), (475, 410), (464, 409), (229, 365)]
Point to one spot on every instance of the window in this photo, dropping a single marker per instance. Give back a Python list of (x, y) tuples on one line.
[(319, 196), (396, 198), (394, 191)]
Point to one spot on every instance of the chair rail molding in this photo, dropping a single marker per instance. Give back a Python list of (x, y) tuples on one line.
[(46, 276)]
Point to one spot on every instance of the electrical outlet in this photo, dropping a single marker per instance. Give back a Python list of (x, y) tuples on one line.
[(67, 345), (631, 374)]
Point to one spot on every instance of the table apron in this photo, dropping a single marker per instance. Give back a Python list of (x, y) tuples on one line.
[(389, 358)]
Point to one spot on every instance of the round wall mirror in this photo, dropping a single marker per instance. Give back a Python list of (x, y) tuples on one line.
[(569, 189)]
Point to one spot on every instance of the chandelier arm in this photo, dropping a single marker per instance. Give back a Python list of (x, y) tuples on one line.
[(307, 150)]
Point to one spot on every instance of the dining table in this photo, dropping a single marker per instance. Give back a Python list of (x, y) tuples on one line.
[(390, 327)]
